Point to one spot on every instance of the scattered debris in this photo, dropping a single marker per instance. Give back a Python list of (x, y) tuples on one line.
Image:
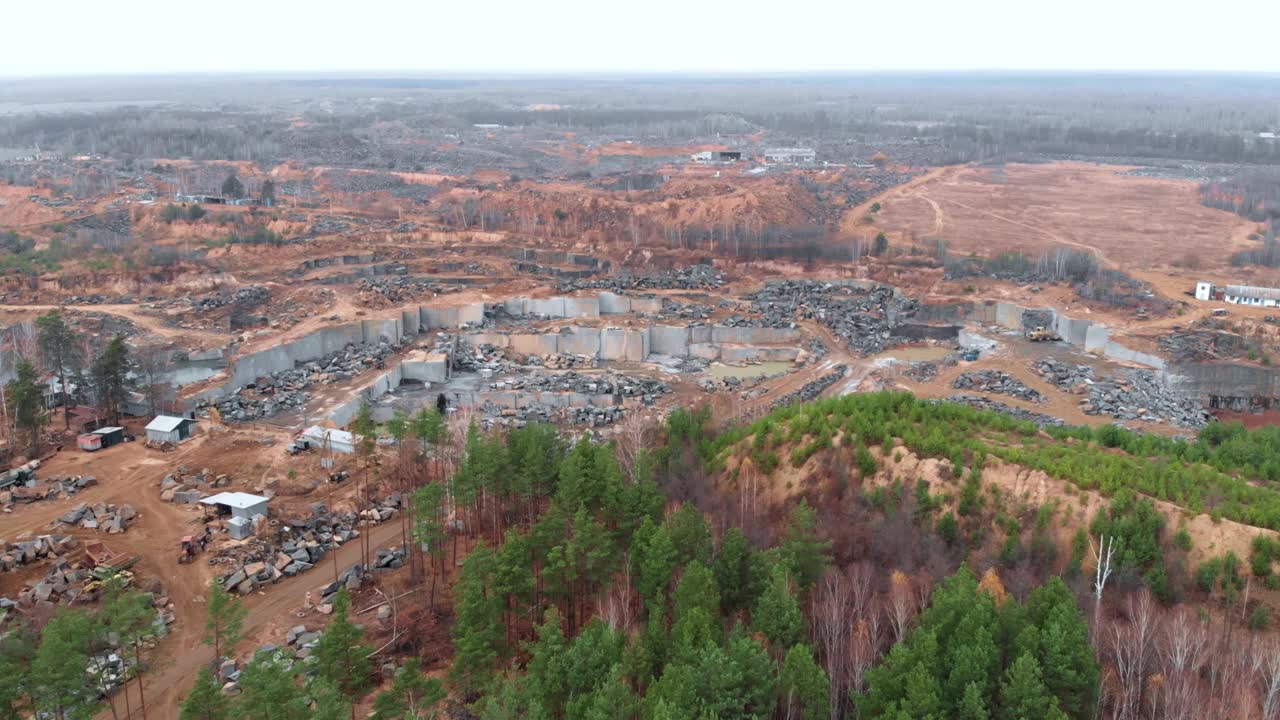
[(995, 381), (1131, 395), (983, 403)]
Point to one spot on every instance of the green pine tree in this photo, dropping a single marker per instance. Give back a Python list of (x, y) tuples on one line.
[(477, 632), (60, 353), (802, 550), (206, 701), (804, 687), (58, 685), (777, 613), (269, 691), (342, 658), (1023, 695), (739, 571), (26, 404), (224, 619), (690, 534)]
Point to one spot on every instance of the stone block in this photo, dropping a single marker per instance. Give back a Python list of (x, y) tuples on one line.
[(669, 340), (579, 341)]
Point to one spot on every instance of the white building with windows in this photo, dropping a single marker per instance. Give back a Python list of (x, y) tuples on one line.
[(1204, 290), (1249, 295)]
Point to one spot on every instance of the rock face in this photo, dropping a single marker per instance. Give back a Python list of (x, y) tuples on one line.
[(287, 389), (1129, 395), (864, 318), (1000, 383)]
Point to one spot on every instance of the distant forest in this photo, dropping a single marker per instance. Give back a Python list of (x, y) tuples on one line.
[(917, 119)]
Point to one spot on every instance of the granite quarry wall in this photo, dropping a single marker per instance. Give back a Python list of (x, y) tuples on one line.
[(611, 344)]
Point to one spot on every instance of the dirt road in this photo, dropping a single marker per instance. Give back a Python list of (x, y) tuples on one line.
[(182, 655), (129, 312)]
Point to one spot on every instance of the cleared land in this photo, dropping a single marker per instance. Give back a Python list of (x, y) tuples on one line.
[(1130, 221)]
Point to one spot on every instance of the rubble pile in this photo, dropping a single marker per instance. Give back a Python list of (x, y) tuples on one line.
[(811, 390), (100, 299), (538, 412), (1066, 376), (26, 549), (984, 403), (299, 544), (647, 389), (733, 382), (25, 490), (1130, 395), (561, 361), (102, 517), (1204, 343), (815, 349), (1000, 383), (863, 318), (922, 371), (685, 311), (693, 277), (184, 486), (288, 389), (466, 356), (245, 297), (396, 288), (325, 225)]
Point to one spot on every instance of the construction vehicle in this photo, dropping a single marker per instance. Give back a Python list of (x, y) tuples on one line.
[(970, 355), (189, 545), (1040, 333)]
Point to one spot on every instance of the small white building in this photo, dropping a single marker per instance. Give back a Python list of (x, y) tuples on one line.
[(1250, 295), (242, 507), (1204, 290), (339, 441), (167, 428)]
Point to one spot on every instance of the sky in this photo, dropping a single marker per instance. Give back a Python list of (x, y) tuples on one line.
[(94, 37)]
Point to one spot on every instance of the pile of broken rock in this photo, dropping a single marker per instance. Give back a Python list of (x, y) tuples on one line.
[(1000, 383), (55, 488), (100, 516), (26, 549)]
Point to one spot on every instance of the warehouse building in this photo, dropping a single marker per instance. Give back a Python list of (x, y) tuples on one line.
[(170, 429)]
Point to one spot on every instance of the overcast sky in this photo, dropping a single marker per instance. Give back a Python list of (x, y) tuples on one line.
[(73, 37)]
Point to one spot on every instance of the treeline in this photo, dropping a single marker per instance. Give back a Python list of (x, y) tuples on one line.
[(150, 133)]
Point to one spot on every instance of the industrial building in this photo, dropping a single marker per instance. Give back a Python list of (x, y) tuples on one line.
[(1239, 294), (1250, 295), (170, 429), (242, 507), (339, 441), (790, 155), (707, 157), (100, 438)]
